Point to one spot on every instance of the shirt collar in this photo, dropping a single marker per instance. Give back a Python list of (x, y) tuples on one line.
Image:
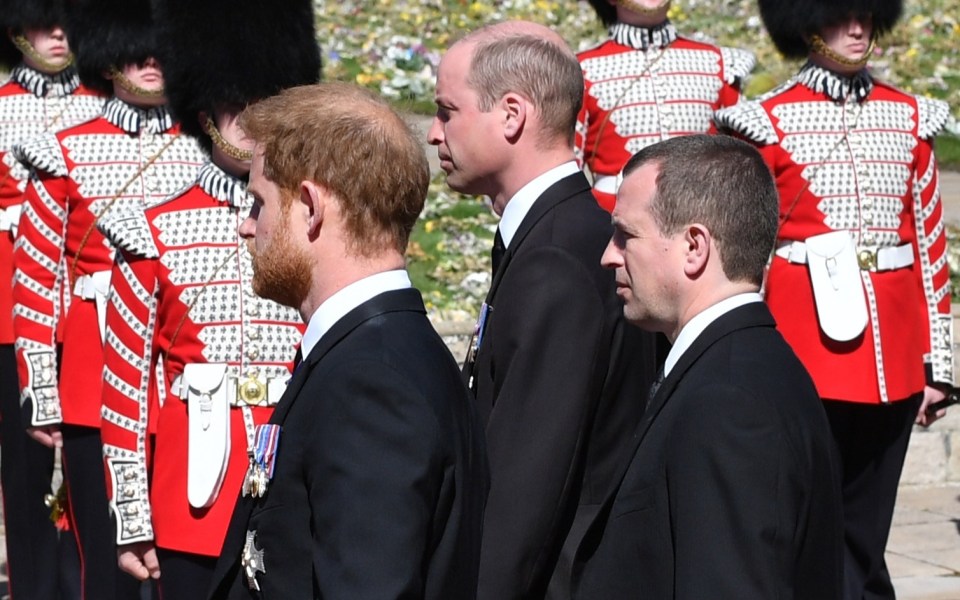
[(695, 326), (521, 202), (42, 85), (836, 87), (156, 119), (223, 186), (644, 38), (338, 305)]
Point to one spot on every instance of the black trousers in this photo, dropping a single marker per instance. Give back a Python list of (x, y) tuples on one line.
[(872, 442), (33, 567), (183, 575), (101, 578)]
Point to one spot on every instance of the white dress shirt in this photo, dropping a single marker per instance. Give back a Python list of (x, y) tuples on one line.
[(338, 305), (695, 326)]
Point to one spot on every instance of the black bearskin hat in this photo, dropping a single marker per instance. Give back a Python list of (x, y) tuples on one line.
[(232, 52), (17, 15), (109, 33), (606, 11), (791, 23)]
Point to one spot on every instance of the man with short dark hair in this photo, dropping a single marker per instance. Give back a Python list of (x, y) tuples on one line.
[(732, 487), (376, 481), (558, 377)]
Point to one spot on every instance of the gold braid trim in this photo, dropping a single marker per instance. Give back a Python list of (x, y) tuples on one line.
[(26, 48), (111, 202), (226, 147), (818, 46), (136, 90), (176, 333)]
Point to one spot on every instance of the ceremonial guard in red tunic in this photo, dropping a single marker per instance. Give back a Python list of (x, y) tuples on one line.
[(130, 155), (645, 84), (182, 298), (859, 283), (43, 95)]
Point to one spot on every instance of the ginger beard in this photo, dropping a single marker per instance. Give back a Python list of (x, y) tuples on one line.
[(281, 272)]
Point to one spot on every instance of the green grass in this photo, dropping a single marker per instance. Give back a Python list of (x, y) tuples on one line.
[(947, 148)]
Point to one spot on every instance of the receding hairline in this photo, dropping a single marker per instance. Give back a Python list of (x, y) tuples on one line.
[(506, 30)]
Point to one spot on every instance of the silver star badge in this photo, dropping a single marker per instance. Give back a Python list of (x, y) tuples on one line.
[(252, 561)]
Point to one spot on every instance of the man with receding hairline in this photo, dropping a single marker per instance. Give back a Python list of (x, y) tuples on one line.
[(375, 483), (552, 359)]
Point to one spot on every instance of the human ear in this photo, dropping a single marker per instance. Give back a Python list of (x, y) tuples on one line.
[(313, 198)]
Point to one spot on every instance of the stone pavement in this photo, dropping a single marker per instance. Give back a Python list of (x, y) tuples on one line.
[(923, 553)]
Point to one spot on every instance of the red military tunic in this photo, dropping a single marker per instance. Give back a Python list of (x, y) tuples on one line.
[(182, 293), (851, 154), (126, 157), (645, 85), (31, 103)]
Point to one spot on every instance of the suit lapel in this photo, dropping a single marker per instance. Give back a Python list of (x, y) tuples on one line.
[(558, 193), (400, 300), (755, 314), (387, 302)]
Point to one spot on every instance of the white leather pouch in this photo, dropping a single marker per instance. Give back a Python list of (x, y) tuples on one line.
[(837, 288), (208, 451)]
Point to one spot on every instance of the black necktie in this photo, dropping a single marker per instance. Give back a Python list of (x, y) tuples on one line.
[(655, 385), (498, 250), (297, 359)]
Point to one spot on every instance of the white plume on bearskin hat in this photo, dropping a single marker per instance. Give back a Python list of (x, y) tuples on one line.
[(17, 15), (107, 34), (791, 23), (232, 52)]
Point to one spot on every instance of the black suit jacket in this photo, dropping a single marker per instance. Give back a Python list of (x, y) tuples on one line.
[(559, 380), (733, 487), (380, 474)]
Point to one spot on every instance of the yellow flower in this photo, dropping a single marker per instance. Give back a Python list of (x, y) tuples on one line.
[(479, 9), (912, 52), (364, 79), (429, 226)]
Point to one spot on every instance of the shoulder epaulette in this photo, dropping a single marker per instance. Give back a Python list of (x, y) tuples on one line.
[(932, 116), (129, 230), (43, 153), (737, 64), (748, 118)]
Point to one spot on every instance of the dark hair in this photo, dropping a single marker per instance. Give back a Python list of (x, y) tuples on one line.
[(722, 183)]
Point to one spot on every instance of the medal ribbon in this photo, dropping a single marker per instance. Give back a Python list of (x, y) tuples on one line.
[(266, 440)]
